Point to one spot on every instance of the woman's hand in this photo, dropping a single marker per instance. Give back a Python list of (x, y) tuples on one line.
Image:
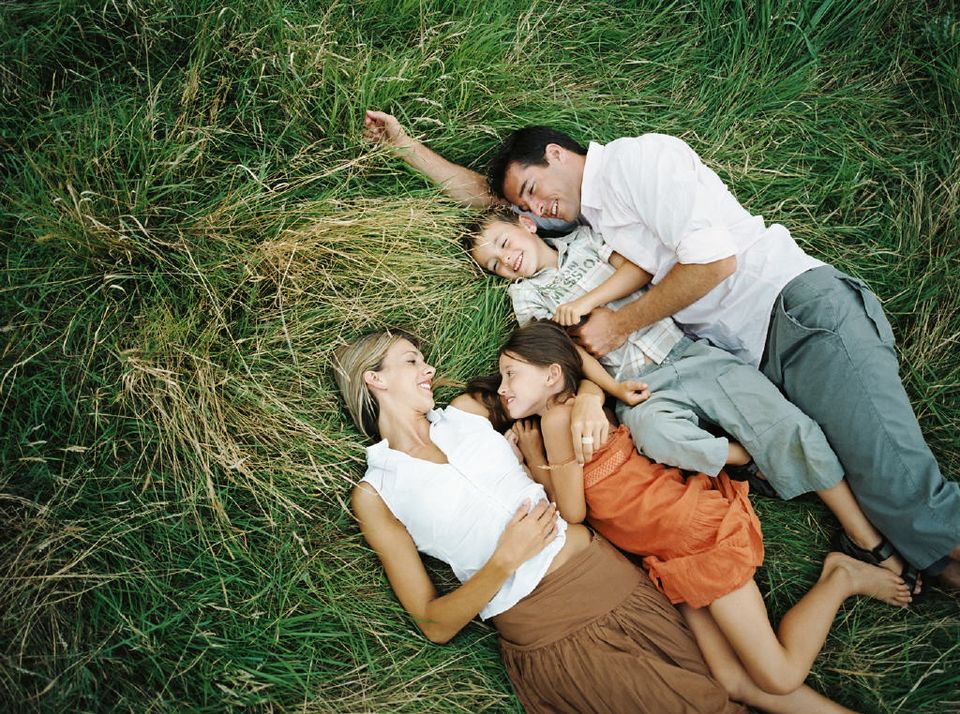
[(569, 313), (380, 127), (631, 392), (527, 533), (589, 427)]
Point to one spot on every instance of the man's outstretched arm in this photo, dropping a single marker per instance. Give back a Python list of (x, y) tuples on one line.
[(460, 183), (683, 285)]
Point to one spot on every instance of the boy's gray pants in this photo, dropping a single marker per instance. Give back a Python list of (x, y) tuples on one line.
[(831, 350), (698, 383)]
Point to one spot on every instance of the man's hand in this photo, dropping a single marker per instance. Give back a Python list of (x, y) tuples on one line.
[(380, 127), (601, 333), (632, 392)]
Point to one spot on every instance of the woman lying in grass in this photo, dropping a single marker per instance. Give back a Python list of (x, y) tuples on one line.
[(699, 536), (581, 628)]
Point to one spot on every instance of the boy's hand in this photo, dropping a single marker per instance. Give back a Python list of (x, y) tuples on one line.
[(380, 127), (570, 312), (632, 392)]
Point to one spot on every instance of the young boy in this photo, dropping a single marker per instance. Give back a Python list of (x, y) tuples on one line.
[(689, 381)]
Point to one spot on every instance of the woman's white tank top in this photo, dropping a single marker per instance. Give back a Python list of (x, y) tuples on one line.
[(457, 511)]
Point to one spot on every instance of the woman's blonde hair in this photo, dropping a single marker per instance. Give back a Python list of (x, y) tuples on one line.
[(350, 362)]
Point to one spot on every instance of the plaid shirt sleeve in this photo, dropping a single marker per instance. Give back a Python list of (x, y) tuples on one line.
[(528, 304)]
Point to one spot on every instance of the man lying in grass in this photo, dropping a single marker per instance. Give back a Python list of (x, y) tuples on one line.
[(819, 335), (689, 380)]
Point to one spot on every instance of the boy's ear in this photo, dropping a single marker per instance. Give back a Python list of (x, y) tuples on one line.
[(527, 223)]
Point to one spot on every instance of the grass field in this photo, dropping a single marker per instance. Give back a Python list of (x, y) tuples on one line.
[(191, 223)]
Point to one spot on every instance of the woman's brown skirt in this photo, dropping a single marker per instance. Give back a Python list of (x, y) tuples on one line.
[(596, 636)]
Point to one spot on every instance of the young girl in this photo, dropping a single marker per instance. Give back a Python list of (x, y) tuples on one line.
[(699, 535), (580, 628)]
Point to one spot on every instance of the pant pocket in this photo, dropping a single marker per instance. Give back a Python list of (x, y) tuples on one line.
[(873, 309)]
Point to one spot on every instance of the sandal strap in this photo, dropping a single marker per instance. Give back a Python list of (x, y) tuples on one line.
[(883, 551), (874, 556)]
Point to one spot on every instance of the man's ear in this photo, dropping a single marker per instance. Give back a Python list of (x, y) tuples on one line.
[(554, 153), (527, 223)]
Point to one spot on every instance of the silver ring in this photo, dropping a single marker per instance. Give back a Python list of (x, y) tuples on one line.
[(586, 439)]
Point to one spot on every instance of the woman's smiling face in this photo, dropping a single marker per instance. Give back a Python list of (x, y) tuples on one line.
[(406, 375)]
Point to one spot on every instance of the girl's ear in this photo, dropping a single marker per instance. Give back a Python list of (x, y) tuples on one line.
[(527, 223), (554, 374)]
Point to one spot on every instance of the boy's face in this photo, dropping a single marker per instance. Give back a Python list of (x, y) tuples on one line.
[(509, 250)]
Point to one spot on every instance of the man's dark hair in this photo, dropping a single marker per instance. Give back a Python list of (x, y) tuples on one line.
[(527, 147)]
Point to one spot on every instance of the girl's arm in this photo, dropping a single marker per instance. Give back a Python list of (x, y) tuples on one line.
[(530, 443), (631, 392), (566, 473), (626, 280), (440, 617)]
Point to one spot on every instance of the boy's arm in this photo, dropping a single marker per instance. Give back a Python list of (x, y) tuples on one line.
[(626, 280), (460, 183)]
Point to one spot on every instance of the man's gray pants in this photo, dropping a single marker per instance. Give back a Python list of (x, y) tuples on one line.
[(698, 383), (830, 349)]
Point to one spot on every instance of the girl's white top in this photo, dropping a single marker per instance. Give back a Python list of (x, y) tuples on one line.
[(457, 511)]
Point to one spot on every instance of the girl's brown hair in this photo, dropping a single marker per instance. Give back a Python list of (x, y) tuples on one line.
[(542, 343)]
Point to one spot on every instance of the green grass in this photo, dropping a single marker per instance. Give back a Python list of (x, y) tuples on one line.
[(191, 223)]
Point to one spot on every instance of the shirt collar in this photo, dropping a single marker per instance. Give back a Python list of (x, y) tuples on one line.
[(381, 455), (590, 186)]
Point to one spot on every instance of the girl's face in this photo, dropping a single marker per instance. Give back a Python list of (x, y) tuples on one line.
[(526, 389), (405, 376)]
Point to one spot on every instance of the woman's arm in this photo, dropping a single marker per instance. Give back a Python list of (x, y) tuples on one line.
[(460, 183), (626, 280), (440, 617), (566, 473)]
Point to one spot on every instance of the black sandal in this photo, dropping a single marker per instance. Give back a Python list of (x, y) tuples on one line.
[(751, 474), (844, 543)]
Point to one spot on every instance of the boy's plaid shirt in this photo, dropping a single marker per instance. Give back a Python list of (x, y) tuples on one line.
[(583, 265)]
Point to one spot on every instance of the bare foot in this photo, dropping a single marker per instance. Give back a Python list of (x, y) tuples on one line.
[(865, 579)]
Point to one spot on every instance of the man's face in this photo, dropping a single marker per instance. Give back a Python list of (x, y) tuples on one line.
[(552, 191)]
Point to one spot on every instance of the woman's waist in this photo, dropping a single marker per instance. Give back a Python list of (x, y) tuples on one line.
[(577, 539)]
